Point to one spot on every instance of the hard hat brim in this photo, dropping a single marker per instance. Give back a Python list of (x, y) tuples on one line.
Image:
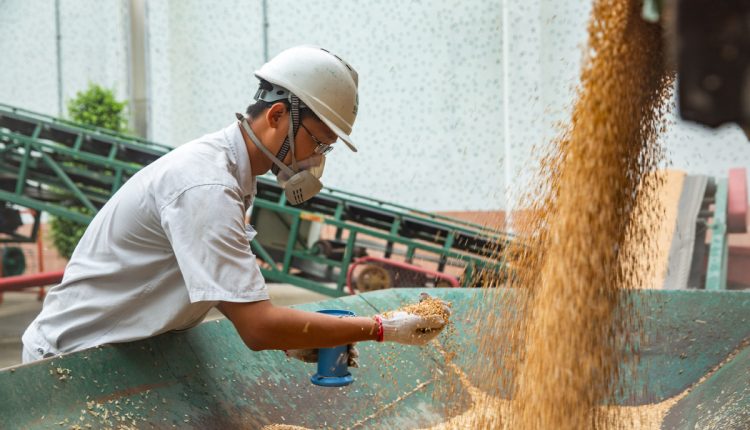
[(311, 105), (340, 133)]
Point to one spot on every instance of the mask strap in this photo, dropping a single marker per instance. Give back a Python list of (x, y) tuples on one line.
[(277, 164)]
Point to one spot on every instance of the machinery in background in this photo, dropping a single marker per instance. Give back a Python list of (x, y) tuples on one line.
[(708, 43), (707, 212), (51, 165), (340, 239), (336, 243)]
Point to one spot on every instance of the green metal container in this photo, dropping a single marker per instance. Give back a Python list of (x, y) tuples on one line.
[(206, 378)]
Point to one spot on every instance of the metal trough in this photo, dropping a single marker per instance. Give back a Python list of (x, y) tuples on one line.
[(205, 378)]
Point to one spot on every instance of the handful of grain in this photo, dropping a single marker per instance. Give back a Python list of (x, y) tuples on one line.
[(428, 306)]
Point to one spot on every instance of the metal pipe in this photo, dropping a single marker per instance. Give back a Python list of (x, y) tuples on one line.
[(509, 174), (138, 62), (15, 283), (58, 42), (265, 31)]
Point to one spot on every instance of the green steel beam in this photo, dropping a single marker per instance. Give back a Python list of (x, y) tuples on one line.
[(441, 220), (378, 234), (55, 210), (394, 232), (69, 183), (346, 260), (84, 130), (410, 253), (716, 272), (305, 255), (468, 274), (54, 182), (78, 143), (261, 252), (277, 276), (112, 153), (43, 146), (21, 178), (70, 167), (117, 183), (291, 241)]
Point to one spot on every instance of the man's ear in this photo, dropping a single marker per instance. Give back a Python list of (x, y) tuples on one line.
[(275, 113)]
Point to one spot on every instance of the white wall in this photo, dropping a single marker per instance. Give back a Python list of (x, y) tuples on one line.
[(201, 56), (429, 124), (433, 128), (94, 48), (546, 42), (28, 71)]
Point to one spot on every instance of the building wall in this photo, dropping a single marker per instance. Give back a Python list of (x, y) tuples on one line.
[(94, 48), (547, 41), (28, 75), (456, 98), (429, 125), (200, 63)]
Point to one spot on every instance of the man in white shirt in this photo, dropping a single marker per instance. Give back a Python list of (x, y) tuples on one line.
[(172, 242)]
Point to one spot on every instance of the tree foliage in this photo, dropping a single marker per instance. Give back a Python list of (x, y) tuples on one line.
[(96, 106)]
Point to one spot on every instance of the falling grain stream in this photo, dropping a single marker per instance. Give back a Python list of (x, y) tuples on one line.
[(582, 253), (558, 360)]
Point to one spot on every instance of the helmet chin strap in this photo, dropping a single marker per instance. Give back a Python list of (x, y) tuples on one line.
[(300, 185), (289, 141), (278, 164)]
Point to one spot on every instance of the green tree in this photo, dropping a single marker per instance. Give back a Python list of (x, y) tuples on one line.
[(96, 106)]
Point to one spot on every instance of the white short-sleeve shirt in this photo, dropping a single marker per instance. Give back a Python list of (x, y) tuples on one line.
[(169, 245)]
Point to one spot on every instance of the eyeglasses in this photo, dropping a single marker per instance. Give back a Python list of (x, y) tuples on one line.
[(320, 148)]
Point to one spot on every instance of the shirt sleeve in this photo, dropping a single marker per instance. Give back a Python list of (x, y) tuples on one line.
[(205, 226)]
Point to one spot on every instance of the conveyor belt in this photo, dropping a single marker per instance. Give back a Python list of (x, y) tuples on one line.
[(53, 165)]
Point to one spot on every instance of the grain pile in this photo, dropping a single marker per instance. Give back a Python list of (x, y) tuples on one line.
[(560, 353), (283, 427), (428, 307), (646, 417)]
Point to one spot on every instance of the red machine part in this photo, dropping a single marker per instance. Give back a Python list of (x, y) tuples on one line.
[(15, 283), (739, 247), (737, 201), (451, 280)]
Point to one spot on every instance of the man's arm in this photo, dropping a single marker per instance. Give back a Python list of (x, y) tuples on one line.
[(262, 325)]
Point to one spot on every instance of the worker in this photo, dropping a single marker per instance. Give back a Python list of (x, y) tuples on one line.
[(172, 243)]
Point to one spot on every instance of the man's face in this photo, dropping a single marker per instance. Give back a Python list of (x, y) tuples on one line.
[(312, 134)]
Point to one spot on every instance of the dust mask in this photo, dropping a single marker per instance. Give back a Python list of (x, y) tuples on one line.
[(301, 180)]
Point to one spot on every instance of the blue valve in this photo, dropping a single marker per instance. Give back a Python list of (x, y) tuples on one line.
[(333, 363)]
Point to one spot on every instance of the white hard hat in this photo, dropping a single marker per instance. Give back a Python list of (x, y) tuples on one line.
[(325, 83)]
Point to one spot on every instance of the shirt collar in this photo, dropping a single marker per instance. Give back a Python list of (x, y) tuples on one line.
[(243, 171)]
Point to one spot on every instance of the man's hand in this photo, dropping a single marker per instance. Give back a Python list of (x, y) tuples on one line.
[(410, 329), (311, 355), (414, 324)]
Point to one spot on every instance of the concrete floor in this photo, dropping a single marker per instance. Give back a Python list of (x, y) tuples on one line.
[(18, 309)]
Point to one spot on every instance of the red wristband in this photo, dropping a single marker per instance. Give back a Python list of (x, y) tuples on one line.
[(380, 327)]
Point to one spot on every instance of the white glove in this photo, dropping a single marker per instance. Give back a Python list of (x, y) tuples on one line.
[(311, 355), (410, 329)]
